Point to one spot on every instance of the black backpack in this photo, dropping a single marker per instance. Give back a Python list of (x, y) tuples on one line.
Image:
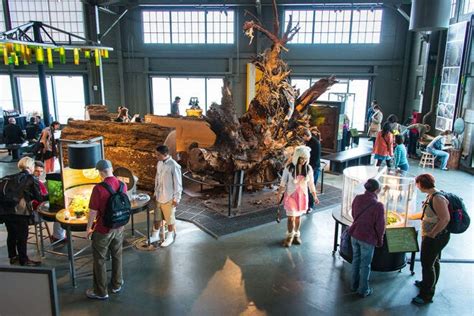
[(459, 219), (11, 190), (118, 209)]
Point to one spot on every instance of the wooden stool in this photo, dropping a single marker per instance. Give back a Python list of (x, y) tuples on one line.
[(427, 159)]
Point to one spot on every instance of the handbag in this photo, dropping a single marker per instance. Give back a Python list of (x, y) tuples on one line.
[(345, 245)]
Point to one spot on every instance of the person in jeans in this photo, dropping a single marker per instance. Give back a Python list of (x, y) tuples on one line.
[(168, 188), (16, 217), (434, 219), (366, 233), (313, 142), (435, 147), (400, 154), (104, 239)]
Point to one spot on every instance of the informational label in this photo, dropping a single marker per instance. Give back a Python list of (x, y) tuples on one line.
[(402, 239)]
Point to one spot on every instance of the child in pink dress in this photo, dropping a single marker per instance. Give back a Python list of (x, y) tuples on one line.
[(297, 178)]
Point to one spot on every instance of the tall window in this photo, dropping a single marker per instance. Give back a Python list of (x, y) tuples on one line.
[(65, 14), (468, 6), (188, 27), (2, 20), (453, 8), (340, 26), (165, 89), (354, 92), (6, 98), (65, 96)]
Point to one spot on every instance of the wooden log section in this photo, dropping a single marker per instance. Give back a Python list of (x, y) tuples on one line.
[(129, 145)]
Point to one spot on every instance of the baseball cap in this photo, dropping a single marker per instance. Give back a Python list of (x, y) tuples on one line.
[(103, 164)]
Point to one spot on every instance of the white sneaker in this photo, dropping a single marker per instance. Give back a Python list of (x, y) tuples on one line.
[(168, 240), (155, 236)]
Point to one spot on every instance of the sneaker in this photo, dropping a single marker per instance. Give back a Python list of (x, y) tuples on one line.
[(418, 300), (118, 289), (168, 240), (90, 294), (288, 240), (14, 260), (418, 284), (369, 291), (31, 263)]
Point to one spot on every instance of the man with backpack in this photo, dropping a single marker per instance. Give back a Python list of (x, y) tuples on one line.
[(443, 214), (109, 207)]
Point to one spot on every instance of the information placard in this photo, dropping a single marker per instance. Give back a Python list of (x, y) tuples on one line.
[(402, 239)]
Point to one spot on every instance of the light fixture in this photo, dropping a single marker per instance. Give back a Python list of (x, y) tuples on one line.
[(84, 155)]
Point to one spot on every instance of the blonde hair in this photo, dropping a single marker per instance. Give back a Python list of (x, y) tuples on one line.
[(25, 163)]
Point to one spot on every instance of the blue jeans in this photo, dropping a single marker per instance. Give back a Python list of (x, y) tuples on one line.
[(441, 154), (316, 176), (362, 254)]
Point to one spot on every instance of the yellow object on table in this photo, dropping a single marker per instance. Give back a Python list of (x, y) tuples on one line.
[(194, 112), (65, 218)]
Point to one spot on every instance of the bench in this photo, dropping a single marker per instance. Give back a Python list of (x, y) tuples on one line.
[(347, 158)]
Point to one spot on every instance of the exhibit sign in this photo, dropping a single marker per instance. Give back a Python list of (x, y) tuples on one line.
[(402, 239), (451, 76)]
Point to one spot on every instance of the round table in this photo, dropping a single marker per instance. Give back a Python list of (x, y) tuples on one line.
[(383, 260)]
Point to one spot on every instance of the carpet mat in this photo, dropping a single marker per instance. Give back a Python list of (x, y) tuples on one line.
[(197, 211)]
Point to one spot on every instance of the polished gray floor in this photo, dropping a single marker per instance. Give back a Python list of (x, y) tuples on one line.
[(249, 273)]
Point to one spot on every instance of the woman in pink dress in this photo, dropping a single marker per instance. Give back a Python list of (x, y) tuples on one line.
[(297, 178)]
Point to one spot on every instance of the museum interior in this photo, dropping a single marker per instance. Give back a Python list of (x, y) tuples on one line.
[(236, 157)]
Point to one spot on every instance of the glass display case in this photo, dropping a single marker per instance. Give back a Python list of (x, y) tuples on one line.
[(398, 193)]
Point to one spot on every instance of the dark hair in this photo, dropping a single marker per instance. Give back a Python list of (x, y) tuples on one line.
[(386, 128), (375, 102), (425, 180), (377, 106), (392, 118), (292, 169), (55, 123), (163, 149), (32, 120), (177, 98), (399, 139), (39, 164), (372, 185)]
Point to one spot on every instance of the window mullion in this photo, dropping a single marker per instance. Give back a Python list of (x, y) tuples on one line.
[(314, 26), (350, 26), (171, 27)]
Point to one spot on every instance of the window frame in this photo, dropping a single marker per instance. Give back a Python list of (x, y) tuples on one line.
[(185, 29), (323, 35)]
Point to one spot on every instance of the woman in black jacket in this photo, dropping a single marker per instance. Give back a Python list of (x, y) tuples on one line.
[(16, 215)]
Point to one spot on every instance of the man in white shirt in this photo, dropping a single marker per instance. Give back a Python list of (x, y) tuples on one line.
[(168, 188)]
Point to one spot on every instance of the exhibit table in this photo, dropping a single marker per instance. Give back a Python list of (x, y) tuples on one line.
[(383, 259), (72, 224)]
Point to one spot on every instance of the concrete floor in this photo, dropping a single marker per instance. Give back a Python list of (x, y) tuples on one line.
[(249, 273)]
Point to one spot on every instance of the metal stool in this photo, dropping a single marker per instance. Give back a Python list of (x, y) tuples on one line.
[(427, 159), (38, 235)]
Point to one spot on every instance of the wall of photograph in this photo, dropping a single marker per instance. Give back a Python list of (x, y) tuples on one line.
[(451, 76)]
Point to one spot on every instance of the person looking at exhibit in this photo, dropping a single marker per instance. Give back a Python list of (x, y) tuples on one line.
[(392, 119), (436, 146), (415, 132), (168, 190), (367, 231), (313, 142), (383, 146), (297, 178), (48, 143), (400, 154), (16, 209), (104, 239), (434, 236)]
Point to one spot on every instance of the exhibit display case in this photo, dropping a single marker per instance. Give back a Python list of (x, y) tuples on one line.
[(398, 193)]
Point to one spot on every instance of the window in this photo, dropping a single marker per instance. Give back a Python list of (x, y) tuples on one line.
[(165, 89), (301, 84), (66, 15), (468, 6), (305, 19), (6, 98), (188, 27), (340, 26), (366, 26), (2, 20), (453, 8), (66, 101), (332, 26)]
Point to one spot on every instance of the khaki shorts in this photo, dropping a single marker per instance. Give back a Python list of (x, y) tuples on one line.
[(165, 211)]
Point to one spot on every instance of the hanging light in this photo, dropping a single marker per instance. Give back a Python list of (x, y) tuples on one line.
[(83, 156)]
